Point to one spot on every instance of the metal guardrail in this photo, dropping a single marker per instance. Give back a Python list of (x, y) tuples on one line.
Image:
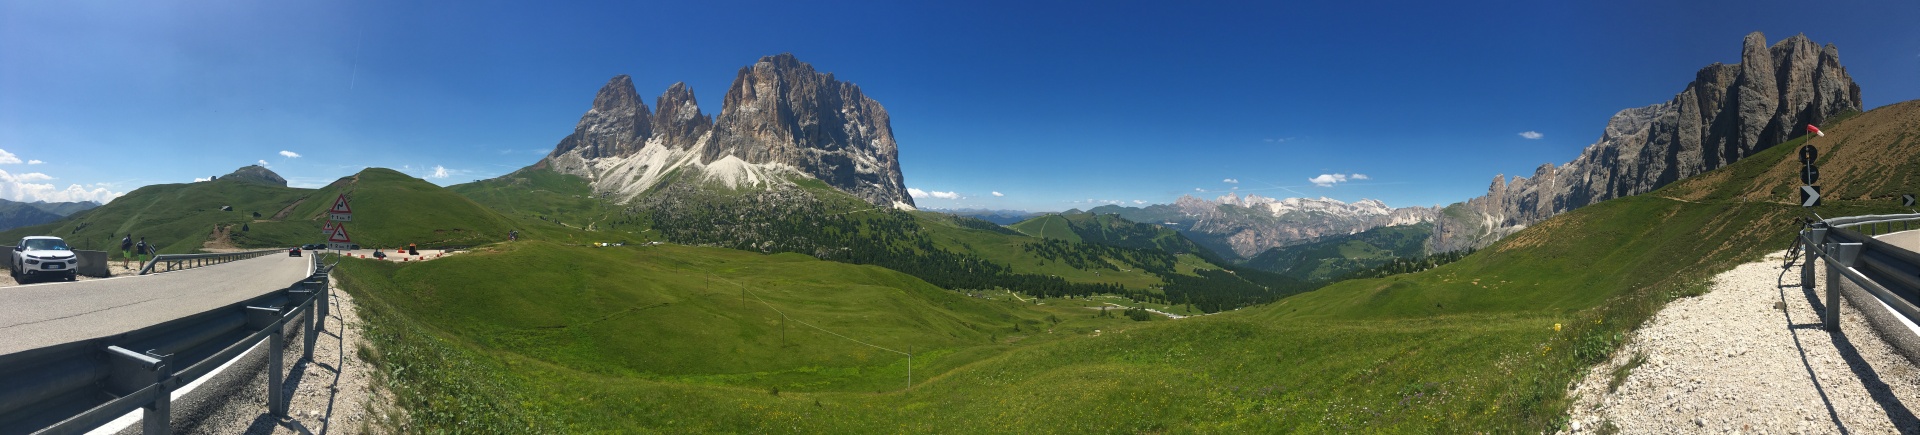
[(176, 261), (76, 387), (1890, 273)]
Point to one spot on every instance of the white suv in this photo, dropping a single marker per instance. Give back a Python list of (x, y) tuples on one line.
[(44, 256)]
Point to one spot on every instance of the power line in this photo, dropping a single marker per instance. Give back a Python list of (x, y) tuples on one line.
[(784, 316)]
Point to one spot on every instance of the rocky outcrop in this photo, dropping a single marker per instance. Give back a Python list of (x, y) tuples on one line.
[(779, 117), (1727, 113), (255, 174), (1242, 227)]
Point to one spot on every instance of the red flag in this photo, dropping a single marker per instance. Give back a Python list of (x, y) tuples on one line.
[(1815, 131)]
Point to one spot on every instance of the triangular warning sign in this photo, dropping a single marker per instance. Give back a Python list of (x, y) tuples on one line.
[(339, 235), (340, 205), (340, 212)]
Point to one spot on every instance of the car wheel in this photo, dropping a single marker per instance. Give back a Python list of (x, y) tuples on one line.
[(73, 277)]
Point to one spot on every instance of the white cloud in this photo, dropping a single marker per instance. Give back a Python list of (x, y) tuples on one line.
[(997, 193), (1230, 181), (1279, 140), (1138, 202), (34, 162), (917, 193), (24, 188), (1530, 134), (262, 163), (7, 158), (439, 172), (289, 154), (1328, 180), (1196, 189), (1358, 176), (200, 179)]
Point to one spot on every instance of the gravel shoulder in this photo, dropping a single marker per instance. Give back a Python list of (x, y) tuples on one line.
[(333, 392), (1750, 356)]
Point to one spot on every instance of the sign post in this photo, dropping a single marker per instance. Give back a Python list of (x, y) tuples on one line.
[(1809, 175), (336, 227)]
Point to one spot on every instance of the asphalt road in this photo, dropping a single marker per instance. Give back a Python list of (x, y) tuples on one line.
[(40, 315)]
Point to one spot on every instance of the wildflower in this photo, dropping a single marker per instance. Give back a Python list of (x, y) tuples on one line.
[(1556, 327)]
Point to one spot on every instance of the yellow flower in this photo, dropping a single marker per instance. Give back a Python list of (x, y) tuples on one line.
[(1556, 327)]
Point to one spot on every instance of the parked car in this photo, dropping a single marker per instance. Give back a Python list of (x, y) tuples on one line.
[(295, 252), (41, 256), (314, 246)]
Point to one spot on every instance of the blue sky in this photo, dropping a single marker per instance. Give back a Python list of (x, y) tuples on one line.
[(1051, 104)]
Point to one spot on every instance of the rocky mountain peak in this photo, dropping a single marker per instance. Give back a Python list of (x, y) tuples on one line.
[(780, 116), (1727, 113), (255, 174), (617, 124), (679, 122)]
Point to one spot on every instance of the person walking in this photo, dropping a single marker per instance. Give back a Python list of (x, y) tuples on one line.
[(143, 249), (126, 249)]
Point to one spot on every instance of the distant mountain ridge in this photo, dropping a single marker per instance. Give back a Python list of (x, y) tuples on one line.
[(14, 214), (1243, 227), (1727, 113), (780, 117)]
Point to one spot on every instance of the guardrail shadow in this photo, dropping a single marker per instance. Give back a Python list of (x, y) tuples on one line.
[(1794, 330), (1902, 418)]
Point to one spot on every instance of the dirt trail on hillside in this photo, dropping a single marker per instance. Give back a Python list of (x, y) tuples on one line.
[(1750, 356)]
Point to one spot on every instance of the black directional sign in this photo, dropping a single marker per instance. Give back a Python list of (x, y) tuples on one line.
[(1906, 200), (1810, 174), (1808, 154), (1809, 196)]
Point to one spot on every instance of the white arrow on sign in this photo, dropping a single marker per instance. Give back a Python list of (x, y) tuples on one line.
[(1809, 196)]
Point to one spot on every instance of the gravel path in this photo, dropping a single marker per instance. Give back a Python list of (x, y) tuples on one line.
[(1750, 356)]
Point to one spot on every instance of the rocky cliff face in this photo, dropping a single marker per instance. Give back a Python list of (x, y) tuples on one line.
[(1727, 113), (780, 117), (1243, 227)]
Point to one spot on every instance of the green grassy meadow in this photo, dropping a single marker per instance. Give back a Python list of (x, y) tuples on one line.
[(636, 339)]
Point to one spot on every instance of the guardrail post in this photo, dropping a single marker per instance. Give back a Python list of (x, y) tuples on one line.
[(276, 345), (1839, 255), (133, 371), (1814, 239)]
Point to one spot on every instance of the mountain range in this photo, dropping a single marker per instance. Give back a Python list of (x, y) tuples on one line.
[(1727, 113), (780, 118), (1242, 227), (14, 214)]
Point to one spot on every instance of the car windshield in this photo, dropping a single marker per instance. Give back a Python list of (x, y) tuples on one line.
[(47, 245)]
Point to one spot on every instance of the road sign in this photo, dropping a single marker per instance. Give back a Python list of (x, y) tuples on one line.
[(340, 212), (1808, 154), (1809, 196), (1906, 200), (339, 240), (326, 229), (1810, 174)]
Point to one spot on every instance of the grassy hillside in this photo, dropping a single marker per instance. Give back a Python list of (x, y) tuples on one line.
[(553, 197), (389, 209), (177, 218), (660, 335), (1485, 344), (1333, 257), (1050, 226), (394, 209)]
